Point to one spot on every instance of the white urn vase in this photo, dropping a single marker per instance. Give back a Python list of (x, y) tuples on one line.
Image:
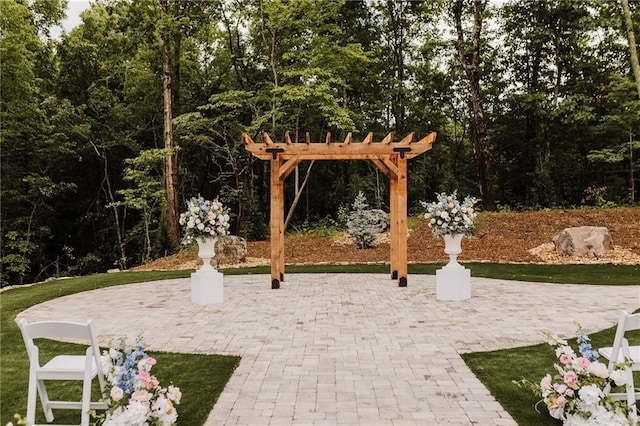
[(453, 282), (206, 251), (453, 247), (206, 282)]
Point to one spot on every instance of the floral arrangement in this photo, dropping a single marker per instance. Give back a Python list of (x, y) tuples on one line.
[(575, 391), (449, 216), (204, 218), (133, 395)]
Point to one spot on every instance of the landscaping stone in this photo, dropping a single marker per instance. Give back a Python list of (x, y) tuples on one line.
[(230, 250), (582, 240)]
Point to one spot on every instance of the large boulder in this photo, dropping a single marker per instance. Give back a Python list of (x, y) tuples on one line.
[(230, 250), (582, 240)]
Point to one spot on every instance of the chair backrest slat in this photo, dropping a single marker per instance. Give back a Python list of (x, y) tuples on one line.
[(632, 322), (59, 330)]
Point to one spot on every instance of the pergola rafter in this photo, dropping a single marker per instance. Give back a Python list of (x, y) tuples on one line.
[(389, 156)]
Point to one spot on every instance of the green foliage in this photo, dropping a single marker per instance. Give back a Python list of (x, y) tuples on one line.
[(147, 195), (363, 223), (561, 108), (325, 227)]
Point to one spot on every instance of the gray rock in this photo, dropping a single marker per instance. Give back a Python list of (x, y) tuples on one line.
[(230, 250), (582, 240)]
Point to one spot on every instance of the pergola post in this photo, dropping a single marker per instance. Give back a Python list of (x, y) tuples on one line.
[(276, 224), (393, 225), (401, 222), (390, 157)]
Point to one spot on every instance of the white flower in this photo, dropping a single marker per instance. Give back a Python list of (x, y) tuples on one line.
[(557, 412), (135, 415), (598, 369), (590, 396), (163, 410), (601, 416), (565, 350), (619, 377), (575, 420), (174, 394), (545, 384), (116, 393)]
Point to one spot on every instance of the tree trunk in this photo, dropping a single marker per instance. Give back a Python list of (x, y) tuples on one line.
[(471, 66), (272, 64), (633, 51), (108, 193), (170, 161), (635, 66), (175, 78), (631, 175)]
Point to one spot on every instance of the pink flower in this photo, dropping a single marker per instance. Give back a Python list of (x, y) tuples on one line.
[(151, 361), (144, 377), (141, 396), (583, 363), (565, 358), (571, 379)]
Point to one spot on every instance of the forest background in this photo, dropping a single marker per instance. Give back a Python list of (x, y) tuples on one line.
[(106, 130)]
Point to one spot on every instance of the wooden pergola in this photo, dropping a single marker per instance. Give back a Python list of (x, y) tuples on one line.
[(390, 157)]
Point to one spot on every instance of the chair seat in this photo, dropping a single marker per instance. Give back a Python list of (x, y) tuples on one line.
[(62, 367), (634, 352)]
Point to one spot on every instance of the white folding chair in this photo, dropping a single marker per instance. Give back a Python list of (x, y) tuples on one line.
[(621, 351), (63, 367)]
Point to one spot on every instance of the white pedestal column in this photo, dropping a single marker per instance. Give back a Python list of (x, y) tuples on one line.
[(206, 287), (453, 283)]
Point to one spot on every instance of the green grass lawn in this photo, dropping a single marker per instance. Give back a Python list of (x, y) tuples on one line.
[(203, 377)]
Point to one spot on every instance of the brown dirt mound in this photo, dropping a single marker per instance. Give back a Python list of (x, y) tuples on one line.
[(500, 237)]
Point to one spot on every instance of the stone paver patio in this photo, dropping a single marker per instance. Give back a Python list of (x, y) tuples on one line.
[(346, 349)]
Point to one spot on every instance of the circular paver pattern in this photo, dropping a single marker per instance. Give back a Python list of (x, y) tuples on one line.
[(346, 349)]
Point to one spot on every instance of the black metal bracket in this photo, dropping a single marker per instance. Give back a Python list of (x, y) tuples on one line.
[(401, 150), (274, 152)]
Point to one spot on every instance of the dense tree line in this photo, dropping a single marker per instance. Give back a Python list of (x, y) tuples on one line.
[(106, 129)]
